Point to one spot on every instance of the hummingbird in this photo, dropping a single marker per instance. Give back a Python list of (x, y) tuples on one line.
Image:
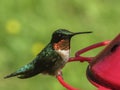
[(51, 59)]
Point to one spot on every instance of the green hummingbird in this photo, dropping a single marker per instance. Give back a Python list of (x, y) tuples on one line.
[(51, 59)]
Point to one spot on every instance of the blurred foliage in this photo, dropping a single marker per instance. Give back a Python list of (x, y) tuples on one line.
[(26, 27)]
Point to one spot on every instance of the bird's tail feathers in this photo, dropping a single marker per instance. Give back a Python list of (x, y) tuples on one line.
[(25, 69), (11, 75)]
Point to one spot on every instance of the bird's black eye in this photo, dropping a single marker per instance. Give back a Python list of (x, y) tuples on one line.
[(59, 35)]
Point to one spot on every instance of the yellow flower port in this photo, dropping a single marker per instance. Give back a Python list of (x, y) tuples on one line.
[(12, 26)]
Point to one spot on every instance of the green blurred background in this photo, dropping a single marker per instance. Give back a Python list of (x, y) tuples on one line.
[(26, 27)]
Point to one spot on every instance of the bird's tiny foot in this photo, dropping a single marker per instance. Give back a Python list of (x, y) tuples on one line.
[(59, 73)]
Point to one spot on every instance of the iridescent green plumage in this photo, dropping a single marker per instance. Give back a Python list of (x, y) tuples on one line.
[(47, 61), (51, 59)]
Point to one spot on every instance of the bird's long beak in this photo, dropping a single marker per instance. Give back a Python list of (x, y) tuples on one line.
[(80, 33)]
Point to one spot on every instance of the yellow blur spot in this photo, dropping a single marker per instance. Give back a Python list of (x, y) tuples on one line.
[(13, 26), (37, 47)]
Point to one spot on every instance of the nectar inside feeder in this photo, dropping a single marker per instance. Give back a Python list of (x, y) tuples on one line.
[(104, 69)]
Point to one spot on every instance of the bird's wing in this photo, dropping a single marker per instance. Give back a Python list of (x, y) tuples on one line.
[(43, 62), (48, 60)]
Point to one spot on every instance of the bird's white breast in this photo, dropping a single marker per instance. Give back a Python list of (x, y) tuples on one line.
[(64, 54)]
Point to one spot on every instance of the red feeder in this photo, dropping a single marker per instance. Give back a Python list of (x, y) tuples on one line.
[(104, 69)]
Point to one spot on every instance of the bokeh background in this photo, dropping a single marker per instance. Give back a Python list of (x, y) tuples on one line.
[(26, 27)]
